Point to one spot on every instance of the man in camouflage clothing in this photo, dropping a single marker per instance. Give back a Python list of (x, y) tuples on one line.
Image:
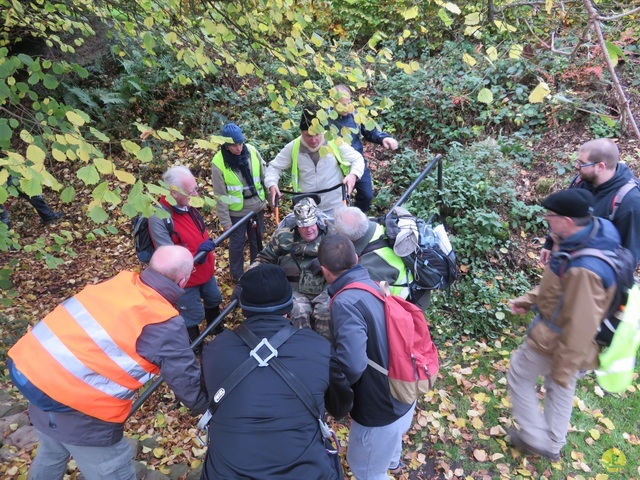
[(296, 249)]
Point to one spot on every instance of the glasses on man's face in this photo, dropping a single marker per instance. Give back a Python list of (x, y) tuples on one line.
[(190, 193), (582, 165)]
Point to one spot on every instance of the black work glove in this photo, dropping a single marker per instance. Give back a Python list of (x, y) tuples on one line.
[(203, 251), (206, 246)]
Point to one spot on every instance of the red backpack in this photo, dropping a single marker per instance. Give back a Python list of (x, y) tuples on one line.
[(413, 358)]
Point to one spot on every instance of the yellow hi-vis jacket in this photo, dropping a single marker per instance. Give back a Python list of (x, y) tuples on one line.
[(235, 187), (342, 163)]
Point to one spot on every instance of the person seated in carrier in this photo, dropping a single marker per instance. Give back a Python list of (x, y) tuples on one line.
[(295, 249)]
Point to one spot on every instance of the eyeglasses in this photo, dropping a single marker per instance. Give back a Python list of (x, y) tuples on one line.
[(582, 165), (190, 193)]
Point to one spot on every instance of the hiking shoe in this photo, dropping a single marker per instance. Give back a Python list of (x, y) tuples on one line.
[(56, 216), (517, 441), (399, 469)]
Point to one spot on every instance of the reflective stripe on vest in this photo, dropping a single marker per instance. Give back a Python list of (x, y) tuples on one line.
[(344, 165), (83, 353), (234, 185), (389, 256)]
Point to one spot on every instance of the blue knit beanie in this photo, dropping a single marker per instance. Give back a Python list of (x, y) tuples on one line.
[(231, 130)]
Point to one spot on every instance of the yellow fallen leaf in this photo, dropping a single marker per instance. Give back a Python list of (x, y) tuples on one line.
[(594, 433), (607, 423), (477, 423)]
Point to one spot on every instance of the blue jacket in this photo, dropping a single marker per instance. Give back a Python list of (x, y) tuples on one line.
[(359, 331), (357, 130), (263, 430)]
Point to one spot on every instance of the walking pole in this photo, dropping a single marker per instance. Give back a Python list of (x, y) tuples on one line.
[(277, 207)]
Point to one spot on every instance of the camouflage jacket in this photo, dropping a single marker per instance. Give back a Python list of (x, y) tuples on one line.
[(287, 249)]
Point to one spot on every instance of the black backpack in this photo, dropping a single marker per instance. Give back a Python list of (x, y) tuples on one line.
[(142, 238), (432, 268)]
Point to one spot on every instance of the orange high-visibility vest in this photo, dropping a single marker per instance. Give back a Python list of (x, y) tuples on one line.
[(83, 353)]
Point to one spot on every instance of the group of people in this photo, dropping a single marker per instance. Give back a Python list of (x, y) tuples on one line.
[(100, 351)]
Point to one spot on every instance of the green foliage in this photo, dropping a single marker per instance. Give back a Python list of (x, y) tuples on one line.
[(444, 104), (480, 206)]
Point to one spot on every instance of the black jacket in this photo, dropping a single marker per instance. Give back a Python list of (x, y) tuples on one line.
[(262, 429), (627, 218)]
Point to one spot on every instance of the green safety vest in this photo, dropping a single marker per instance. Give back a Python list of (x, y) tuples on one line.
[(389, 256), (232, 180), (344, 165)]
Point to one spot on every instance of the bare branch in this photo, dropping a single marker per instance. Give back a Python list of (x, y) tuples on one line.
[(545, 44), (616, 17), (622, 98)]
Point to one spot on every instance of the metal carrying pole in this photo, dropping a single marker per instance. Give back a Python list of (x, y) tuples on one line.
[(159, 380), (200, 255), (418, 180), (198, 258)]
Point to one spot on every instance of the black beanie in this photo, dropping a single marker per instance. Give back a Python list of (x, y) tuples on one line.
[(308, 114), (573, 202), (265, 289)]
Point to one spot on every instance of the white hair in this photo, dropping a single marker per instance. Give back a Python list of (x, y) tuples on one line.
[(351, 222)]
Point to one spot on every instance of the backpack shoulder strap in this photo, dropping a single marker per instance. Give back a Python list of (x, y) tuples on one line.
[(360, 286), (594, 252), (281, 369), (619, 196), (381, 242), (246, 367)]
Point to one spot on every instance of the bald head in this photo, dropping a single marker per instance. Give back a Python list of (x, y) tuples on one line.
[(601, 150), (172, 261)]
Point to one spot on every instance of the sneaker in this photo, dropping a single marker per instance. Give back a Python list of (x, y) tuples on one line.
[(517, 441), (56, 216), (399, 469)]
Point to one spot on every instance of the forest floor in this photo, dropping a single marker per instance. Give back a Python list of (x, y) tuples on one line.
[(448, 438)]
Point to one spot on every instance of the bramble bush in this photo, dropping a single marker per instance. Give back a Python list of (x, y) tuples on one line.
[(481, 208)]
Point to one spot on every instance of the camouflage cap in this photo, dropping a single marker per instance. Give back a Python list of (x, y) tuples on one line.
[(306, 212)]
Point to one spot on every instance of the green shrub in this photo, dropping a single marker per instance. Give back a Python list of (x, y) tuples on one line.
[(481, 208)]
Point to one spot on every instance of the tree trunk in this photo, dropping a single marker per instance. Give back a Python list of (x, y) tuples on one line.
[(623, 101)]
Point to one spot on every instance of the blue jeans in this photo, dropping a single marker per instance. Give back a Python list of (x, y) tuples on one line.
[(113, 462), (236, 243), (374, 450), (190, 305), (364, 191)]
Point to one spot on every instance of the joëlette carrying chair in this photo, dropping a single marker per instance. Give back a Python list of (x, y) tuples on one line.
[(271, 345)]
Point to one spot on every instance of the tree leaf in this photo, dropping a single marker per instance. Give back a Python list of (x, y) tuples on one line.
[(74, 118), (485, 96), (411, 13), (145, 155), (125, 177), (515, 52), (468, 59), (539, 93), (68, 195), (472, 18), (98, 214), (35, 154), (88, 174)]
